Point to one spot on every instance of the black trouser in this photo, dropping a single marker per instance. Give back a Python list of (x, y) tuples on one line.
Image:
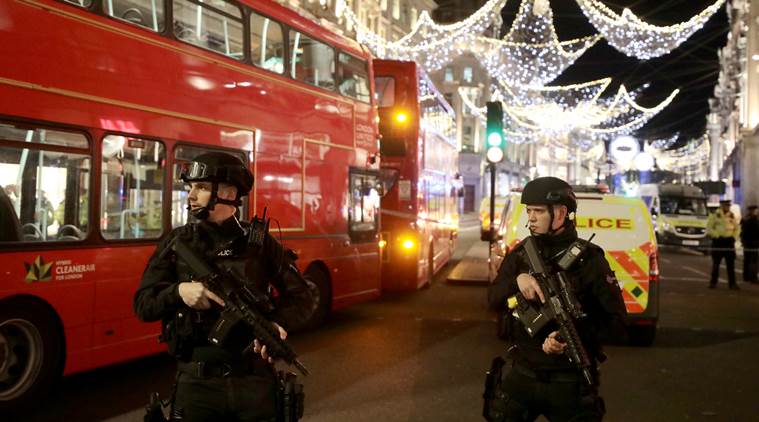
[(557, 399), (247, 398), (750, 264), (723, 247)]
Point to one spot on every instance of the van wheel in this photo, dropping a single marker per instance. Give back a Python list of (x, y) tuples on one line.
[(321, 290), (642, 335), (31, 353)]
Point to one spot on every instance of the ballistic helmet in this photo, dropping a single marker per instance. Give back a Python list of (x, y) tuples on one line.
[(219, 167), (549, 191)]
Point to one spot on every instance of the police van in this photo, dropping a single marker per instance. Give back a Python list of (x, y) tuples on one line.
[(623, 228), (679, 213), (500, 202)]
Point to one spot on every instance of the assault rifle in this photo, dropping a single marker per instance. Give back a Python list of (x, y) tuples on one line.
[(242, 303), (561, 305)]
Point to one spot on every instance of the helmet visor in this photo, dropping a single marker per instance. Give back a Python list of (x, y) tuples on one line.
[(195, 171)]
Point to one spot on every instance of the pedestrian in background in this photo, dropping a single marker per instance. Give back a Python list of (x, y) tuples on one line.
[(750, 241), (722, 227)]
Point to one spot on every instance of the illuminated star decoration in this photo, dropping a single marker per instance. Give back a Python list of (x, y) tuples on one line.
[(636, 38), (531, 53)]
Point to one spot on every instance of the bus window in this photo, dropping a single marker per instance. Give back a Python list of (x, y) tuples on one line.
[(385, 91), (48, 191), (267, 43), (363, 216), (212, 24), (353, 77), (312, 61), (145, 13), (183, 154), (80, 3), (132, 188)]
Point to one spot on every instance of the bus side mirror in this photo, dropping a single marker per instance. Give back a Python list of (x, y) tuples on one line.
[(653, 212)]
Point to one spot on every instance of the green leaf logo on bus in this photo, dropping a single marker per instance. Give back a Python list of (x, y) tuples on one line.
[(38, 270)]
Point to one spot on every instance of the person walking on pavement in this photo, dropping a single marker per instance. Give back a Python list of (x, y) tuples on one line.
[(750, 241), (723, 229)]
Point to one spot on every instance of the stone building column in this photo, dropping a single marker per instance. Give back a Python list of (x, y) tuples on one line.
[(750, 164)]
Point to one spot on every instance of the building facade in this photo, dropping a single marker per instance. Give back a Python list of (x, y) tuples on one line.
[(733, 122), (391, 19)]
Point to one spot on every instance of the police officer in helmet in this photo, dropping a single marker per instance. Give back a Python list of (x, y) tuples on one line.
[(542, 380), (235, 381)]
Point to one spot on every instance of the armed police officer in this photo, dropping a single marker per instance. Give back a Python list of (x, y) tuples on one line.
[(233, 381), (542, 379)]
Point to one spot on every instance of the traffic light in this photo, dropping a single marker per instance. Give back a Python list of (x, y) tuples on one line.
[(494, 139)]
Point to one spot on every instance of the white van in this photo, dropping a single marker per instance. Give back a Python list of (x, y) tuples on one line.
[(623, 228), (679, 213)]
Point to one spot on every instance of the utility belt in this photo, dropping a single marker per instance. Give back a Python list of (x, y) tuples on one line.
[(289, 396), (204, 370), (548, 375)]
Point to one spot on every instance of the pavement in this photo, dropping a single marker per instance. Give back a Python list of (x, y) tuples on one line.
[(472, 267)]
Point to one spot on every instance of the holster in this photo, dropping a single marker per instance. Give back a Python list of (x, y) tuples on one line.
[(494, 398), (154, 409), (290, 397)]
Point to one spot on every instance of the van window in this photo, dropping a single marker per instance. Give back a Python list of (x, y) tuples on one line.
[(683, 205)]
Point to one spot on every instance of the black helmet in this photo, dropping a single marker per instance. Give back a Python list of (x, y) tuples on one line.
[(219, 167), (549, 191)]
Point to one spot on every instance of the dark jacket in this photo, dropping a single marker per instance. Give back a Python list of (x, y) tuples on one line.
[(226, 245), (594, 285), (750, 232)]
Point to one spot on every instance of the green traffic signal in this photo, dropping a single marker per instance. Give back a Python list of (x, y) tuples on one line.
[(495, 139)]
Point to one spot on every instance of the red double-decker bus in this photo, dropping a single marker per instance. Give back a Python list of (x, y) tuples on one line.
[(419, 214), (102, 101)]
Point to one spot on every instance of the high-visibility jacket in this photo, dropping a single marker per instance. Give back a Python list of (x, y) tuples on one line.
[(721, 224)]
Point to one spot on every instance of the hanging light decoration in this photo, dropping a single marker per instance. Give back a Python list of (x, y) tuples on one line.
[(531, 53), (636, 38), (429, 44), (687, 159)]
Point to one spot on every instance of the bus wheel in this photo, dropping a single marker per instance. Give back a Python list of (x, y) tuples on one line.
[(642, 335), (322, 292), (31, 353)]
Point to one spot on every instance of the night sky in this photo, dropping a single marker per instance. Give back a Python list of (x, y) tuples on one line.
[(693, 67)]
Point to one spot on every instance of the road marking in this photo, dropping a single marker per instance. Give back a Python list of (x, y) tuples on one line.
[(690, 279), (693, 270), (666, 261)]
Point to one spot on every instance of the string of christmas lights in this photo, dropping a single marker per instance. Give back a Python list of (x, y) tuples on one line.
[(429, 44), (695, 153), (636, 38), (531, 53)]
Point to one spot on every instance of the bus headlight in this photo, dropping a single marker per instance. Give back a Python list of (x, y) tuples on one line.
[(408, 244), (382, 243)]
